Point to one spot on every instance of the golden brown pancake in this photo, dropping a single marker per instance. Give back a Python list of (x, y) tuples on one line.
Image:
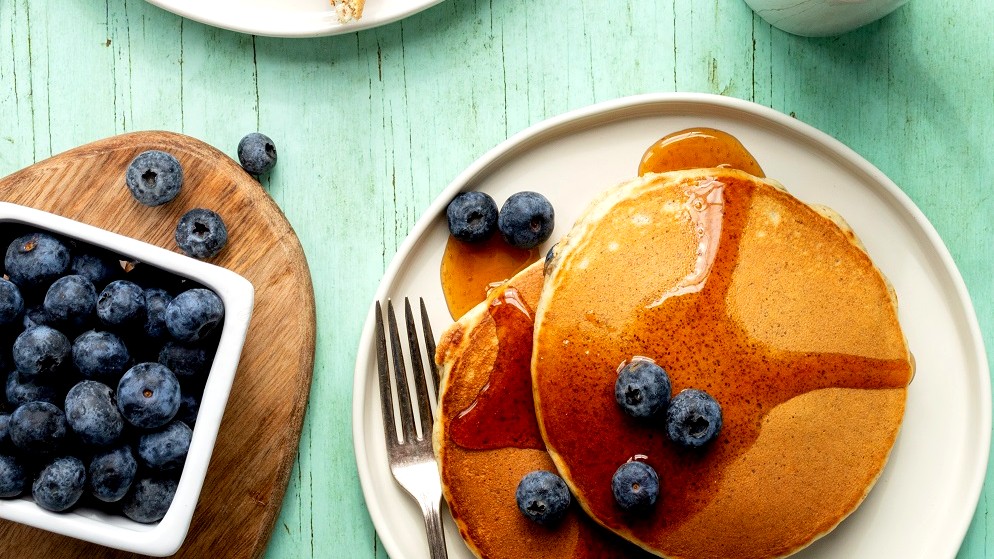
[(491, 346), (737, 288)]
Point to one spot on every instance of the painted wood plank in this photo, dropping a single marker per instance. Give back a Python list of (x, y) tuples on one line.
[(371, 126)]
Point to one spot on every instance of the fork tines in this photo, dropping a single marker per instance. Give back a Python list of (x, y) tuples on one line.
[(407, 418)]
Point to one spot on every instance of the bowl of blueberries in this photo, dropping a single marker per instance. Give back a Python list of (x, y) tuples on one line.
[(119, 358)]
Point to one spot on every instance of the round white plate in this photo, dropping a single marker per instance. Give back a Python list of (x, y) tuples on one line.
[(926, 496), (290, 18)]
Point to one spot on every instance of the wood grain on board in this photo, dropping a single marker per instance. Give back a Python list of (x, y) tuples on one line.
[(257, 442)]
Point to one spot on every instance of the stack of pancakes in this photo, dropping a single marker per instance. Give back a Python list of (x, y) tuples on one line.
[(734, 287)]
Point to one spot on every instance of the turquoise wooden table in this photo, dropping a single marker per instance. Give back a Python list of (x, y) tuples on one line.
[(371, 127)]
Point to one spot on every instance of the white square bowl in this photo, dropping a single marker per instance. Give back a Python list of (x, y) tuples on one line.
[(166, 536)]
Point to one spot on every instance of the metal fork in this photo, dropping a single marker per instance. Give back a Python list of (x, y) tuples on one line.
[(412, 459)]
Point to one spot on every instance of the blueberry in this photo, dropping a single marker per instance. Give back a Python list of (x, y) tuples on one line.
[(121, 303), (36, 259), (92, 413), (13, 476), (39, 351), (97, 267), (59, 484), (693, 418), (635, 486), (185, 361), (156, 301), (154, 177), (189, 408), (71, 300), (526, 220), (201, 233), (550, 258), (148, 395), (111, 473), (11, 303), (5, 442), (642, 389), (165, 448), (256, 153), (20, 391), (100, 355), (542, 497), (38, 427), (194, 314), (149, 499), (35, 315), (472, 216)]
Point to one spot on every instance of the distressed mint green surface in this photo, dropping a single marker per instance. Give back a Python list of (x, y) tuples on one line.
[(371, 126)]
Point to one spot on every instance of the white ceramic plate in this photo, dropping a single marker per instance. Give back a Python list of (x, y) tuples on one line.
[(926, 496), (290, 18)]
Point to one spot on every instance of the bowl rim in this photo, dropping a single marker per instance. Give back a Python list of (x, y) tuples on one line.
[(238, 295)]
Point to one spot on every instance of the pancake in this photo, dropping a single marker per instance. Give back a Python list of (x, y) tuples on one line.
[(491, 346), (737, 288)]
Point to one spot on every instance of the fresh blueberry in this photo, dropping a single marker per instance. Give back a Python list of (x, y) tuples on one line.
[(185, 361), (472, 216), (642, 389), (154, 177), (59, 484), (194, 314), (121, 303), (100, 355), (165, 448), (11, 303), (13, 476), (39, 351), (5, 442), (256, 153), (38, 427), (97, 267), (148, 395), (35, 315), (111, 473), (542, 497), (36, 259), (71, 300), (693, 418), (189, 408), (92, 413), (149, 499), (201, 233), (550, 258), (526, 220), (635, 486), (20, 391), (156, 301)]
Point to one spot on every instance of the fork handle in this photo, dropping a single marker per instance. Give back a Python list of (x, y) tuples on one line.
[(433, 526)]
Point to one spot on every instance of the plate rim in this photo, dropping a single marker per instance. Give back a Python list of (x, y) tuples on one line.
[(602, 113), (303, 26)]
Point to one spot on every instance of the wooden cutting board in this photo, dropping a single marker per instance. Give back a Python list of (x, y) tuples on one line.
[(257, 443)]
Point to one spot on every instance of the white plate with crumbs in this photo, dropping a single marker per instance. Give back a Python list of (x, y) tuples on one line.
[(290, 18), (926, 496)]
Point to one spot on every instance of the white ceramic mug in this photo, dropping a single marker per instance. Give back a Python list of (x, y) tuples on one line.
[(820, 18)]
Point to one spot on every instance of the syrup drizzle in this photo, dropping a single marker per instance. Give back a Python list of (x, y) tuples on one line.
[(698, 148), (503, 413)]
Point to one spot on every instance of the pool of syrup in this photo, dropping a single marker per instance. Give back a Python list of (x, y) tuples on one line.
[(696, 148), (470, 270)]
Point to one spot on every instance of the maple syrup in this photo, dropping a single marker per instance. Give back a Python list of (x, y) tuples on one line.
[(698, 148), (503, 414), (693, 337), (470, 270)]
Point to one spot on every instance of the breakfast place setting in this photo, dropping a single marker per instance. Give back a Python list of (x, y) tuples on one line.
[(436, 279)]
